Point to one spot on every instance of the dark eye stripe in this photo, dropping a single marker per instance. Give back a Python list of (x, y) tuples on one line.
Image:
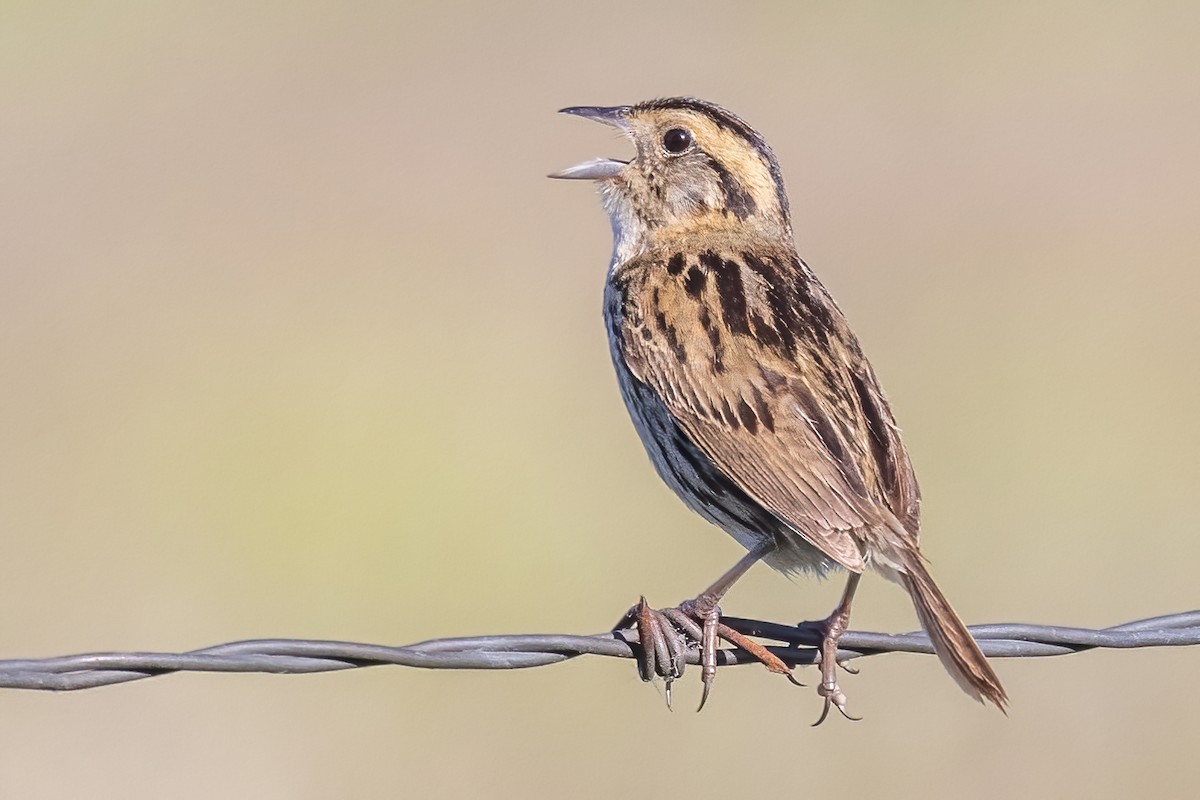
[(737, 199)]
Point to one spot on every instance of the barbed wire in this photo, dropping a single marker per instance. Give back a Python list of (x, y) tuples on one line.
[(798, 647)]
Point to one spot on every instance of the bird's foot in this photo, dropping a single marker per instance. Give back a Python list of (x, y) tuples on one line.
[(666, 635), (835, 626)]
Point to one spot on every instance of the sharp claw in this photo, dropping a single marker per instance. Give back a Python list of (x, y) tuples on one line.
[(833, 697), (841, 707), (795, 681), (667, 691), (708, 653), (704, 695), (824, 713)]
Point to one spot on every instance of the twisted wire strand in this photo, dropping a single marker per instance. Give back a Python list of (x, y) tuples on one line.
[(521, 651)]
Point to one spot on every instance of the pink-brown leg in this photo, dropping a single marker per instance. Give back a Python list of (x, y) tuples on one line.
[(835, 626)]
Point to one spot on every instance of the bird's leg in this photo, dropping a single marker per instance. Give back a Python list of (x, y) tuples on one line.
[(705, 608), (835, 625), (660, 631)]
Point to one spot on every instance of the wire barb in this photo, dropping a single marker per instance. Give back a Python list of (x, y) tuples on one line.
[(797, 646)]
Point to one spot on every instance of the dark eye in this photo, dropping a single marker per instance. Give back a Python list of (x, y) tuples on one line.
[(677, 140)]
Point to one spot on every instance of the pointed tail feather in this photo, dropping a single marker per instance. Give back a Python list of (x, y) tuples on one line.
[(955, 646)]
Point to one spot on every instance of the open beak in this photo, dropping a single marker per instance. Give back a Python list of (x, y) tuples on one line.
[(597, 169)]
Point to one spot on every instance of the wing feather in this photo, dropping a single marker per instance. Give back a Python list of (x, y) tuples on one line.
[(801, 427)]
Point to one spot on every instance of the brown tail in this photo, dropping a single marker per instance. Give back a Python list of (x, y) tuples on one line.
[(955, 647)]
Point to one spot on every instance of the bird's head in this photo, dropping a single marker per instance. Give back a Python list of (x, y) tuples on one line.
[(697, 167)]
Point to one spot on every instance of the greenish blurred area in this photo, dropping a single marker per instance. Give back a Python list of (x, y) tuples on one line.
[(297, 340)]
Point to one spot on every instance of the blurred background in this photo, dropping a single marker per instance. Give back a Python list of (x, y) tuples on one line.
[(297, 340)]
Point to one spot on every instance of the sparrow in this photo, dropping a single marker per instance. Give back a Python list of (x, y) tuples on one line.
[(749, 390)]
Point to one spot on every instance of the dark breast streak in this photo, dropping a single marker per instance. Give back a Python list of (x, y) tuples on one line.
[(689, 472), (778, 304)]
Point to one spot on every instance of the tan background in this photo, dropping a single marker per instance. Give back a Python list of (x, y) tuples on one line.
[(296, 340)]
